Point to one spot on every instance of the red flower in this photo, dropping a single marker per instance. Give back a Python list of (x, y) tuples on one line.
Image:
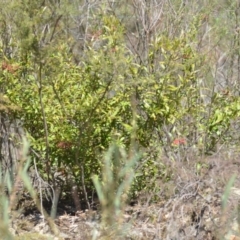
[(179, 141), (10, 68), (64, 145)]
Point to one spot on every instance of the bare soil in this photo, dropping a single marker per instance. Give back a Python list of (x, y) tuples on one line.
[(190, 206)]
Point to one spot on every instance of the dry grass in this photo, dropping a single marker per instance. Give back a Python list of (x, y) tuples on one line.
[(189, 206)]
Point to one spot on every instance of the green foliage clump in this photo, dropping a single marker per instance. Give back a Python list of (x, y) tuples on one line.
[(114, 185)]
